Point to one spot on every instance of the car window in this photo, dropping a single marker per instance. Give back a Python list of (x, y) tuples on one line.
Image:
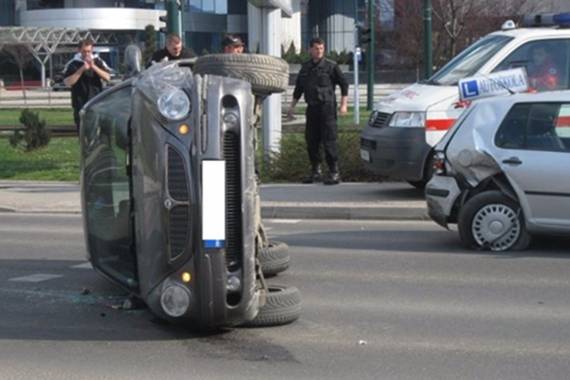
[(546, 63), (468, 62), (536, 126)]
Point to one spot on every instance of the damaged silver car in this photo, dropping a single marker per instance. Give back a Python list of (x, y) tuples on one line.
[(502, 171), (170, 196)]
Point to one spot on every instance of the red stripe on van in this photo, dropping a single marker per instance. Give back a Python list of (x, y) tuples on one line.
[(439, 124), (563, 122)]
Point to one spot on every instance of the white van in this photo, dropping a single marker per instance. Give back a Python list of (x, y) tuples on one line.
[(405, 126)]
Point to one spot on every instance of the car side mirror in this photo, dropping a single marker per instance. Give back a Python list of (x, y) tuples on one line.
[(133, 60)]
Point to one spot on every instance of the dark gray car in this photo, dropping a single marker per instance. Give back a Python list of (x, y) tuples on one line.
[(170, 197)]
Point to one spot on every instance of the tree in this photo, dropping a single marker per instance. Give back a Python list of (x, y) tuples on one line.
[(21, 55), (149, 43)]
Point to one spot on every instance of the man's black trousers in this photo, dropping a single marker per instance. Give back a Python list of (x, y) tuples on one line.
[(322, 129)]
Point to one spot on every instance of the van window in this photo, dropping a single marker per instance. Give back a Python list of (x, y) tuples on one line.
[(546, 63), (536, 126), (469, 61)]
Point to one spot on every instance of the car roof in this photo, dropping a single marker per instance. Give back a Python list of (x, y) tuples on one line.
[(547, 96), (534, 32)]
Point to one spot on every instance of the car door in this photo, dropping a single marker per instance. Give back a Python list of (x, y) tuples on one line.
[(534, 152), (106, 189)]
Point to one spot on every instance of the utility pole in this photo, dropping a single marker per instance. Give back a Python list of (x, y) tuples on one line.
[(428, 52), (356, 65), (371, 55), (174, 17)]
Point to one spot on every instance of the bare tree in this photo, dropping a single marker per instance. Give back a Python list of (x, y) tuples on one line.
[(21, 56)]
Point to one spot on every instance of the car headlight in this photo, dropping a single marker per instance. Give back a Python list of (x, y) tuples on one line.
[(174, 104), (408, 120), (372, 117)]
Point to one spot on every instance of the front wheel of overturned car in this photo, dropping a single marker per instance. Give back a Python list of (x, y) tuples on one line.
[(266, 74), (274, 258), (491, 220), (282, 306)]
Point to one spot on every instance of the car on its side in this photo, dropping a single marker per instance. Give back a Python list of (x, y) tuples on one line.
[(502, 171)]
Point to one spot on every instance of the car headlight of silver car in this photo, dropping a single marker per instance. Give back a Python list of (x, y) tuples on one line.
[(408, 120), (174, 104)]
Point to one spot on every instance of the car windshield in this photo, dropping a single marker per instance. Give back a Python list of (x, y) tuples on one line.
[(469, 61)]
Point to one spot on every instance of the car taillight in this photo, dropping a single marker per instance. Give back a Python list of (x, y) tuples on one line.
[(439, 163)]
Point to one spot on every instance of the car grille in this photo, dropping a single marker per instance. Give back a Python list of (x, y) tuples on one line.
[(234, 244), (177, 183), (381, 120), (178, 216)]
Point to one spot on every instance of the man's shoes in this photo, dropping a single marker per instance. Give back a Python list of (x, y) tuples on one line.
[(332, 179), (315, 176)]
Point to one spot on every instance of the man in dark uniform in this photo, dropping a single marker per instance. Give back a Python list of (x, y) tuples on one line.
[(318, 79), (84, 73), (173, 51)]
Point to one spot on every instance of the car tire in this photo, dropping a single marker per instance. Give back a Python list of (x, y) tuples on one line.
[(266, 74), (282, 306), (274, 258), (493, 221)]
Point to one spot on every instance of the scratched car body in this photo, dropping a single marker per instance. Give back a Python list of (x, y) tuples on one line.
[(502, 171)]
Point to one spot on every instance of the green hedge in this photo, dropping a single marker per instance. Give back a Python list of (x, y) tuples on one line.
[(292, 163)]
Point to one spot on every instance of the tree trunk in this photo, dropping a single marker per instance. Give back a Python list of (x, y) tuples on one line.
[(22, 85)]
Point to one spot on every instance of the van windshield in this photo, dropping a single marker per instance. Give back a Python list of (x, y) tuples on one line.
[(469, 61)]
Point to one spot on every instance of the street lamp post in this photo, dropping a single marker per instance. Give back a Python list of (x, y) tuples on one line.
[(428, 52), (371, 49)]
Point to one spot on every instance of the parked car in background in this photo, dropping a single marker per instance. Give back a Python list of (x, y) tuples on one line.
[(404, 127), (502, 171)]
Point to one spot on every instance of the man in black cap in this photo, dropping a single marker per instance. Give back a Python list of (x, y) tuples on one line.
[(318, 79), (232, 44)]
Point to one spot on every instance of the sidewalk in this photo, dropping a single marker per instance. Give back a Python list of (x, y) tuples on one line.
[(382, 201)]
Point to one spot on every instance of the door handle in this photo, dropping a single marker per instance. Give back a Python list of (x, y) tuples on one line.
[(512, 161)]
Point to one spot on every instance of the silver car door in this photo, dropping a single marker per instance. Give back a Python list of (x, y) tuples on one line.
[(534, 152)]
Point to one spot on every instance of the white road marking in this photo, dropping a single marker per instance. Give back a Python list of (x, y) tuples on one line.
[(284, 221), (85, 265), (38, 277)]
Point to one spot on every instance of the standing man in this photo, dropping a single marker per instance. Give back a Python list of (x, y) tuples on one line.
[(173, 51), (232, 45), (85, 74), (318, 79)]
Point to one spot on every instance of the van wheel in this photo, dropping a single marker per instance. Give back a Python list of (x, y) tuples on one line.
[(492, 221), (274, 258), (267, 74), (282, 306), (428, 173)]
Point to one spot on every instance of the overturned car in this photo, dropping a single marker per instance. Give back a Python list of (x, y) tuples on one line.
[(170, 196)]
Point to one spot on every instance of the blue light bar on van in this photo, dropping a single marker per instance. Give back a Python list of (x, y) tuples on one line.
[(547, 19)]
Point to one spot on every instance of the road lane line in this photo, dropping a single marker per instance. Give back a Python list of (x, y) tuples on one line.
[(38, 277), (85, 265)]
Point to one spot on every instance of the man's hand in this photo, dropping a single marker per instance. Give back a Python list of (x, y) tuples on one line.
[(290, 113), (343, 109)]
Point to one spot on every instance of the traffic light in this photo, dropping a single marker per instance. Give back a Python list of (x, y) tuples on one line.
[(163, 26), (364, 35)]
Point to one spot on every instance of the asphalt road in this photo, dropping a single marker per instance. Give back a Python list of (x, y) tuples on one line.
[(382, 300)]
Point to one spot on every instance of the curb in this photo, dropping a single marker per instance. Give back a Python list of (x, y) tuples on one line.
[(297, 212), (344, 213)]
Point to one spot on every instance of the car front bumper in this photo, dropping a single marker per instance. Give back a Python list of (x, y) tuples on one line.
[(398, 153)]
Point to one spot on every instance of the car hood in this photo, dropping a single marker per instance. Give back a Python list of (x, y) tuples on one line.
[(418, 97)]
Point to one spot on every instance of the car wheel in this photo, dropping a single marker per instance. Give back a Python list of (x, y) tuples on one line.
[(274, 258), (266, 74), (491, 220), (282, 306)]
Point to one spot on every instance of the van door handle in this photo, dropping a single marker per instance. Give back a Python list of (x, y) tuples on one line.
[(512, 161)]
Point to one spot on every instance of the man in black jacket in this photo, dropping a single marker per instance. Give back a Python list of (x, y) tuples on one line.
[(173, 51), (85, 74), (318, 79)]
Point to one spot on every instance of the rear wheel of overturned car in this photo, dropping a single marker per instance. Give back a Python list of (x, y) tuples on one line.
[(282, 306), (266, 74), (274, 258), (493, 221)]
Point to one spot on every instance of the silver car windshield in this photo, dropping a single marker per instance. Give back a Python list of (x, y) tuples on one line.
[(469, 61)]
